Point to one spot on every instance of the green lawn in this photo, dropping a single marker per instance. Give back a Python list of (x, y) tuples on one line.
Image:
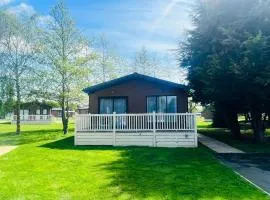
[(47, 165), (246, 144), (31, 133)]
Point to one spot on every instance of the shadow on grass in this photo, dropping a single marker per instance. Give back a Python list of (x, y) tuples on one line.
[(6, 122), (162, 173), (68, 144)]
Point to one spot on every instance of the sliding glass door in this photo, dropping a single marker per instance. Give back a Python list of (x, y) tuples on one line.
[(120, 105), (105, 106), (108, 105)]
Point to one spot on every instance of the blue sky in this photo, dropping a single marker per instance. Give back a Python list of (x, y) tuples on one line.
[(129, 24)]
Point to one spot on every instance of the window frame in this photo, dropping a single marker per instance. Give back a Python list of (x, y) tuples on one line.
[(113, 98), (156, 100), (44, 113)]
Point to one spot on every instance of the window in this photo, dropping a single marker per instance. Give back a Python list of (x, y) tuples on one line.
[(105, 106), (26, 112), (151, 104), (171, 104), (44, 111), (162, 104), (112, 104)]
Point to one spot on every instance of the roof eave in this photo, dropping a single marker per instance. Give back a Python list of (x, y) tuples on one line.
[(93, 89)]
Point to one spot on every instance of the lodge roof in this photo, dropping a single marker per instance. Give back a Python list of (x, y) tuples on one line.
[(134, 76)]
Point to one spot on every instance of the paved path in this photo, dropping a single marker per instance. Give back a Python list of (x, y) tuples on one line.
[(217, 146), (254, 167), (6, 149)]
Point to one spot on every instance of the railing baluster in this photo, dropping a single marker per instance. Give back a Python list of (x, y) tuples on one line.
[(184, 121), (188, 122), (122, 122), (164, 121), (136, 127)]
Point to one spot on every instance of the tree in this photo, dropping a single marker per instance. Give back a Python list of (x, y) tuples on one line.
[(142, 61), (146, 63), (6, 95), (66, 54), (227, 57), (18, 52), (107, 63), (219, 117)]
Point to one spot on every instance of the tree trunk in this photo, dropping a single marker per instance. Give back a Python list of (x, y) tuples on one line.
[(65, 116), (233, 124), (18, 105), (65, 126), (219, 116), (258, 127), (64, 119)]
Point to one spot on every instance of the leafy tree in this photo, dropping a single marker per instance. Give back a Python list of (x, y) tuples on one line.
[(6, 96), (146, 63), (107, 64), (65, 53), (18, 54), (227, 57)]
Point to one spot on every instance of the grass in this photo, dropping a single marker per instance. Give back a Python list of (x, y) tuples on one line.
[(31, 133), (48, 166), (203, 124), (246, 144)]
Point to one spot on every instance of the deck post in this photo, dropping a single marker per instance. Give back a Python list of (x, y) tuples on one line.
[(114, 127), (195, 130), (75, 130), (154, 129)]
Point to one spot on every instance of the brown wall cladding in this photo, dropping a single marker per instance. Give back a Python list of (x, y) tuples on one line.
[(136, 91)]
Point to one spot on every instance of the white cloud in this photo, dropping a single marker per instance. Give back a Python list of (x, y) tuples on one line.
[(22, 9), (168, 9), (5, 2), (28, 10)]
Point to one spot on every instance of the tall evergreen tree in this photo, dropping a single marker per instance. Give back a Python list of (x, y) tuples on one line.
[(227, 57)]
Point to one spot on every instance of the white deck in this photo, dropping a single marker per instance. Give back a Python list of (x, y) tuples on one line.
[(154, 130), (33, 119)]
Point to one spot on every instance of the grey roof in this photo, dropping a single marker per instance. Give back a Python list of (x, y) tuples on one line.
[(134, 76)]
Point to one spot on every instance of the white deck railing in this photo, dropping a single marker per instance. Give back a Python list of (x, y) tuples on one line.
[(33, 117), (136, 122)]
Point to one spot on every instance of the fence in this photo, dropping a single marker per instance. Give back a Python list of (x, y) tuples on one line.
[(33, 117), (179, 129)]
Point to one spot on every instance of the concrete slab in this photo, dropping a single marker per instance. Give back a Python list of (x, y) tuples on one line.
[(217, 146)]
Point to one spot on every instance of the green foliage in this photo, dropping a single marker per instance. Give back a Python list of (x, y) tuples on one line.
[(227, 56), (66, 54), (6, 96), (18, 57), (51, 167)]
